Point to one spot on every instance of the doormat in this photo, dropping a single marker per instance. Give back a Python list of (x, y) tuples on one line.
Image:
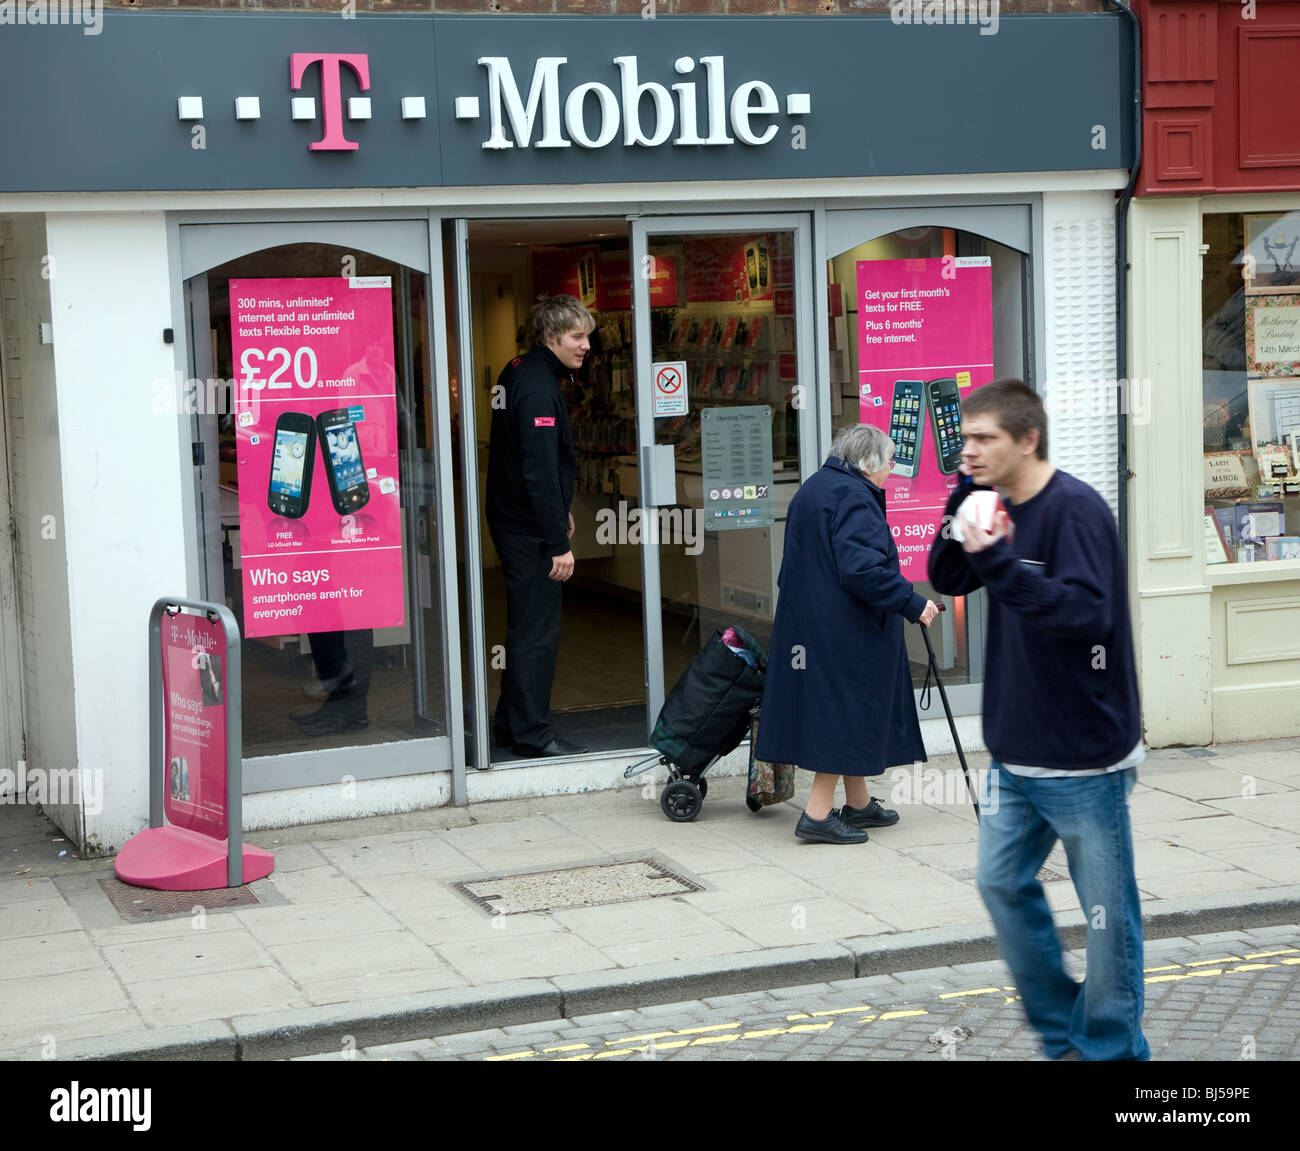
[(137, 903), (564, 888)]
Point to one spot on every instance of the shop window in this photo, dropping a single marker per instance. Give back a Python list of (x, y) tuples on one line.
[(343, 476), (1250, 343), (919, 318)]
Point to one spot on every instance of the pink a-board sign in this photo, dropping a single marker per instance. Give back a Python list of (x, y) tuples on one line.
[(316, 427), (925, 341), (194, 841), (194, 731)]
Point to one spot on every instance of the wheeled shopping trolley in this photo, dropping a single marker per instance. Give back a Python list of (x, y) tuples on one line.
[(705, 716)]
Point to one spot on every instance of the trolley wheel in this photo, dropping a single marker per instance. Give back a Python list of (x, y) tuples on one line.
[(681, 800), (702, 784)]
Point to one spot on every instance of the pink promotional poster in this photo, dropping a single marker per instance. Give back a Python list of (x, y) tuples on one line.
[(925, 339), (194, 702), (316, 421)]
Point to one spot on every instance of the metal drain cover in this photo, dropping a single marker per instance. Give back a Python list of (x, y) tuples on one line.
[(568, 887), (146, 903)]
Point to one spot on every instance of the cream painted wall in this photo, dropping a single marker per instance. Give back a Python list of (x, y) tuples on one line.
[(120, 465), (1166, 553), (1256, 657), (40, 526)]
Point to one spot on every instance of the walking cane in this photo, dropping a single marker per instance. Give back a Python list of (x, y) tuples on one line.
[(952, 726)]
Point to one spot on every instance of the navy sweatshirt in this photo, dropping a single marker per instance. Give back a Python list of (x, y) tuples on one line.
[(1060, 684)]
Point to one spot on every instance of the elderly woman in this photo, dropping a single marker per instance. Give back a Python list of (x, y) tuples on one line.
[(838, 697)]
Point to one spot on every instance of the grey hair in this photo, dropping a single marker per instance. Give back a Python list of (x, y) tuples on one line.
[(554, 315), (862, 446)]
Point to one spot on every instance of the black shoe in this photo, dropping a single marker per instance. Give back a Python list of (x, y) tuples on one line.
[(339, 684), (330, 721), (832, 829), (557, 746), (873, 815)]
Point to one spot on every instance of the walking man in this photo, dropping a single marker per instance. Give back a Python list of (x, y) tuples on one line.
[(1061, 720), (531, 470)]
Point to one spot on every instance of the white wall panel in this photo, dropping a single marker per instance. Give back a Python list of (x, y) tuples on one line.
[(1079, 363)]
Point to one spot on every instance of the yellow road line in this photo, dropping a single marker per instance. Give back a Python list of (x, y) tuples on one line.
[(1194, 969), (699, 1030), (1187, 975)]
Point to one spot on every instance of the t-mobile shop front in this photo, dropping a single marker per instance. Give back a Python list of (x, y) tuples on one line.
[(343, 225)]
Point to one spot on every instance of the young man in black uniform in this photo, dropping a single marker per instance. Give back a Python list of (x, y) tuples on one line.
[(531, 469)]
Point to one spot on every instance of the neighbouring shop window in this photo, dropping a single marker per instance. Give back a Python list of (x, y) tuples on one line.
[(1250, 343)]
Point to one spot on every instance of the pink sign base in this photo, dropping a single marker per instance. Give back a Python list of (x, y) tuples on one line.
[(177, 859)]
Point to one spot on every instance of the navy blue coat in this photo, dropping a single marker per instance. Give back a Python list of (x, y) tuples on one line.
[(838, 696)]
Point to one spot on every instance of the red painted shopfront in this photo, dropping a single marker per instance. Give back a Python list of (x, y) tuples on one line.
[(1220, 111)]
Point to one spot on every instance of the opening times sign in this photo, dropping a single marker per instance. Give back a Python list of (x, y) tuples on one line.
[(925, 341), (316, 424)]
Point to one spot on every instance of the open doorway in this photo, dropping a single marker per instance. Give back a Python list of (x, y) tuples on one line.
[(598, 696)]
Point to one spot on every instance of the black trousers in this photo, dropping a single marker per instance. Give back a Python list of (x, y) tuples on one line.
[(330, 652), (533, 606)]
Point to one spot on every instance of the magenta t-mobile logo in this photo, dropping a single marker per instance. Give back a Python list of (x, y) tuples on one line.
[(331, 68)]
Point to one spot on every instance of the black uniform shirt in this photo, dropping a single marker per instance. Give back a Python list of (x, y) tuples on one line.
[(531, 466)]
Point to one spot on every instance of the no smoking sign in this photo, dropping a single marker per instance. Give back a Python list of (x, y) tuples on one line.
[(670, 388)]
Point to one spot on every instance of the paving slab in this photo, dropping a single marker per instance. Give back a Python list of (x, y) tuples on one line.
[(166, 1002), (47, 954), (273, 926), (524, 957)]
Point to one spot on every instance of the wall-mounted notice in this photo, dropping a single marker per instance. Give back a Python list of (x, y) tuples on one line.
[(316, 423), (925, 339), (737, 462), (670, 388), (1272, 336)]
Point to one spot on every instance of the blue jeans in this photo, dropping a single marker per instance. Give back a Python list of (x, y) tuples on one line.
[(1102, 1017)]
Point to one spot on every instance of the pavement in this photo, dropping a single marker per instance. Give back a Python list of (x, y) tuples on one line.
[(360, 938)]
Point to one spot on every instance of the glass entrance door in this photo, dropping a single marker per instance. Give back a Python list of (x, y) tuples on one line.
[(726, 425)]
